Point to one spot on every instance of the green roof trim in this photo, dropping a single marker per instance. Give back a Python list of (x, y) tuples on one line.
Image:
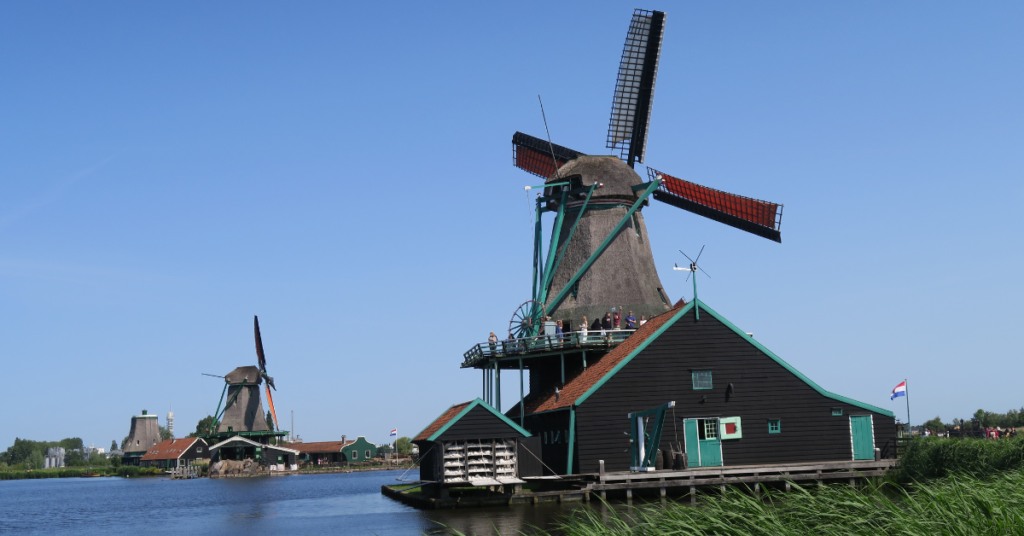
[(741, 333), (643, 345), (467, 409)]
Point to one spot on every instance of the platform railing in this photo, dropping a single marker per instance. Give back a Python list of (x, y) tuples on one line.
[(544, 344)]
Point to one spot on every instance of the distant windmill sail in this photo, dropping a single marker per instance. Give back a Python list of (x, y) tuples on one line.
[(534, 155), (762, 218)]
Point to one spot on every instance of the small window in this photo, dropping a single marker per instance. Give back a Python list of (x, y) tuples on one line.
[(199, 450), (366, 454), (701, 379), (710, 429), (774, 426), (837, 412), (355, 454)]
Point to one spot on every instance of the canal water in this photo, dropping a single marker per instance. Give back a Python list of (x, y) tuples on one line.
[(340, 503)]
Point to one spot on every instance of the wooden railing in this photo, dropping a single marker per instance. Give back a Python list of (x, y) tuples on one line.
[(544, 344)]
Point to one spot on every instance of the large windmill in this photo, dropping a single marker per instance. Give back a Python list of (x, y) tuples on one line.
[(598, 255), (243, 412)]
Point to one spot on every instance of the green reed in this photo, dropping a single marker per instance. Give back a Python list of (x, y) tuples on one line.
[(957, 505)]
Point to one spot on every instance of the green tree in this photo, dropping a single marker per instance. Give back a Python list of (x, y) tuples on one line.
[(204, 426), (113, 445), (980, 417), (935, 424), (403, 445), (270, 421), (165, 434), (35, 460)]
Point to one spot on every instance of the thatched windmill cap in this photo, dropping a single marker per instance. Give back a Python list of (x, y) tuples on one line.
[(617, 178)]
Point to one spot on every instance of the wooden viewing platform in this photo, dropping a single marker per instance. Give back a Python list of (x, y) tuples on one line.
[(505, 351), (623, 484)]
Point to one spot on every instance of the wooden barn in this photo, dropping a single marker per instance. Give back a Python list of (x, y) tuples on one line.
[(473, 443), (272, 457), (690, 381), (176, 453)]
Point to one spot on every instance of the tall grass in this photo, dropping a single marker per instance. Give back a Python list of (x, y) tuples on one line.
[(958, 505), (934, 457)]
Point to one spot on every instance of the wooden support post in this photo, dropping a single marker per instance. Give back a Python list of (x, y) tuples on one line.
[(693, 495), (757, 489), (600, 471)]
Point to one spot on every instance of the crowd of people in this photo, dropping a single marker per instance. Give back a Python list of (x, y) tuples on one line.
[(610, 322)]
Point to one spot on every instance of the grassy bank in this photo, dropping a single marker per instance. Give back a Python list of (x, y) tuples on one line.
[(76, 472), (957, 505), (941, 486)]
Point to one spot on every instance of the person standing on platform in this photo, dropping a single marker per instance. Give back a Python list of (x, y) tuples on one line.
[(630, 321)]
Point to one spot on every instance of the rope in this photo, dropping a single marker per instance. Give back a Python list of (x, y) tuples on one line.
[(553, 472), (401, 477)]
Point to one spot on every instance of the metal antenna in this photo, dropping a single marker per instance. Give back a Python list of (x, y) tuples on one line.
[(551, 146)]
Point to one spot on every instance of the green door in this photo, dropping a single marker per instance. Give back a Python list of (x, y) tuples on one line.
[(862, 437), (703, 445)]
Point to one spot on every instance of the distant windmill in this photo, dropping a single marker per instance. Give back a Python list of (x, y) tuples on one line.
[(243, 409), (599, 256)]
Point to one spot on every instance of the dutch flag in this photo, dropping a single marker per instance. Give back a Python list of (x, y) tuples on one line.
[(394, 432), (899, 390)]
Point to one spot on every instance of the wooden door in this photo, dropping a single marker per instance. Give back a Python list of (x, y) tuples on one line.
[(703, 444), (862, 437)]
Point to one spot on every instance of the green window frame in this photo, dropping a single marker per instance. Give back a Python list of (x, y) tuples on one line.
[(774, 426), (837, 412), (702, 380)]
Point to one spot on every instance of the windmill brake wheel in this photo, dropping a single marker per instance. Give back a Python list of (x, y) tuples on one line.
[(525, 320)]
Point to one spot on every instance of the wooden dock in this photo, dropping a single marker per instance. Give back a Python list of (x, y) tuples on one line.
[(625, 484), (753, 476)]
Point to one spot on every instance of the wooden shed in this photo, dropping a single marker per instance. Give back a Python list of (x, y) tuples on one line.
[(271, 457), (473, 443), (723, 398), (175, 453)]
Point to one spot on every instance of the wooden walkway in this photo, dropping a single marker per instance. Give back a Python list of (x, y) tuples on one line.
[(753, 476), (624, 484)]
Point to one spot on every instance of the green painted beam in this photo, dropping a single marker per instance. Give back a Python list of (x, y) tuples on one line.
[(572, 439), (641, 197), (572, 232), (556, 233)]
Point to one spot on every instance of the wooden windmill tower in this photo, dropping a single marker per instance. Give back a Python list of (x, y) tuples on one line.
[(243, 412), (599, 256)]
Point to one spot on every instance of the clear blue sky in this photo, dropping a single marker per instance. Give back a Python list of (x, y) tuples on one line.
[(344, 171)]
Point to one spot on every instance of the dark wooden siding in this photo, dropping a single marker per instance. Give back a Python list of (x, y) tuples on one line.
[(479, 424), (552, 431), (430, 460), (762, 390), (528, 452)]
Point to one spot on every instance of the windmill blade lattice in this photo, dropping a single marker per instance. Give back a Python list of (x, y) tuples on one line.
[(534, 155), (762, 218), (634, 87)]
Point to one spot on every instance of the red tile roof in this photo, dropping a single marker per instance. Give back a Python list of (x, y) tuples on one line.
[(581, 383), (170, 449), (438, 423), (319, 446)]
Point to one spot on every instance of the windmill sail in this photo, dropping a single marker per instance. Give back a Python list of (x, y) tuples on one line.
[(537, 156), (634, 87), (762, 218)]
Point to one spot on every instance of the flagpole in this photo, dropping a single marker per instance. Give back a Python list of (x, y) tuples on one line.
[(907, 386)]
